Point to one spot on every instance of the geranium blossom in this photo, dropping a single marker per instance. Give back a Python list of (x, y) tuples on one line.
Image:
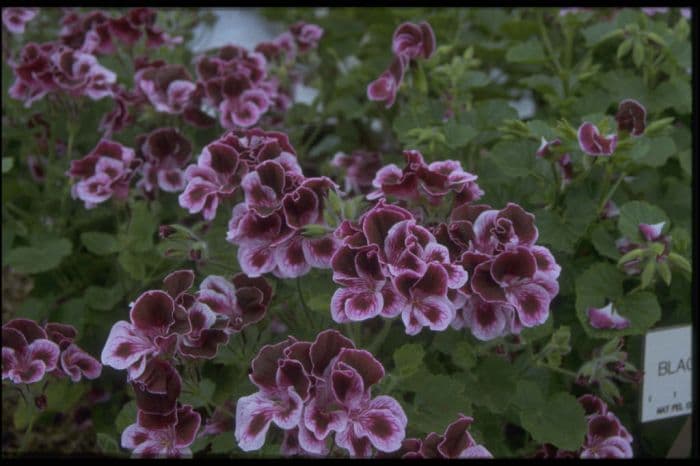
[(166, 152), (315, 390), (27, 353), (593, 143), (631, 116), (606, 318), (15, 19)]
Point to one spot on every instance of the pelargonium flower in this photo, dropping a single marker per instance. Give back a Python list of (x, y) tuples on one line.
[(486, 320), (386, 86), (216, 176), (306, 35), (593, 143), (419, 179), (78, 73), (15, 19), (119, 117), (74, 361), (606, 318), (169, 88), (243, 300), (456, 442), (631, 116), (315, 389), (498, 230), (360, 168), (544, 150), (130, 345), (521, 277), (103, 173), (610, 210), (27, 353), (172, 441), (414, 40), (166, 152)]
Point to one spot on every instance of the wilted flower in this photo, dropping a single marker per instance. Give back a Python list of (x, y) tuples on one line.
[(593, 143), (414, 40), (631, 117), (606, 318)]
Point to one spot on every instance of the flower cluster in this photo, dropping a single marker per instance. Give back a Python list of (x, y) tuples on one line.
[(177, 323), (16, 18), (29, 352), (481, 270), (95, 32), (51, 67), (236, 82), (411, 41), (606, 436), (312, 390), (105, 172), (456, 442), (165, 152), (360, 168), (630, 118)]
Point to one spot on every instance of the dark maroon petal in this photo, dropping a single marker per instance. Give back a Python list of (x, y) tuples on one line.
[(188, 422), (300, 352), (28, 328), (592, 404), (428, 39), (264, 365), (364, 363), (523, 223), (291, 373), (318, 252), (300, 207), (456, 438), (347, 387), (378, 221), (178, 282), (158, 389), (433, 282), (631, 117), (509, 266), (327, 346), (12, 338), (153, 311), (593, 143), (484, 285)]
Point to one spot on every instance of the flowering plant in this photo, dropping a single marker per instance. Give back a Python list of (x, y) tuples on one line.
[(452, 249)]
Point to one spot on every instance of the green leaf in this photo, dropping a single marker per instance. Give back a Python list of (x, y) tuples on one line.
[(102, 298), (464, 356), (107, 444), (141, 228), (624, 48), (7, 164), (685, 158), (642, 309), (658, 126), (201, 396), (560, 420), (99, 243), (665, 272), (41, 258), (648, 273), (604, 242), (638, 54), (458, 135), (132, 264), (494, 385), (598, 32), (680, 262), (408, 359), (635, 212), (63, 395), (515, 158), (526, 52), (660, 149), (595, 287), (126, 416)]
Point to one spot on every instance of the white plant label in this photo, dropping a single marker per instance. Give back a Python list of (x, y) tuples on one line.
[(667, 389)]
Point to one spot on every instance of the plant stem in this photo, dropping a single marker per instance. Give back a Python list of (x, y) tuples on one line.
[(611, 192), (307, 311), (379, 338)]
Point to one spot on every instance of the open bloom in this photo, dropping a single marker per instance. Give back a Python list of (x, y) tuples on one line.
[(316, 390), (27, 353), (166, 152), (15, 19), (456, 442), (593, 143), (103, 173), (171, 441)]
